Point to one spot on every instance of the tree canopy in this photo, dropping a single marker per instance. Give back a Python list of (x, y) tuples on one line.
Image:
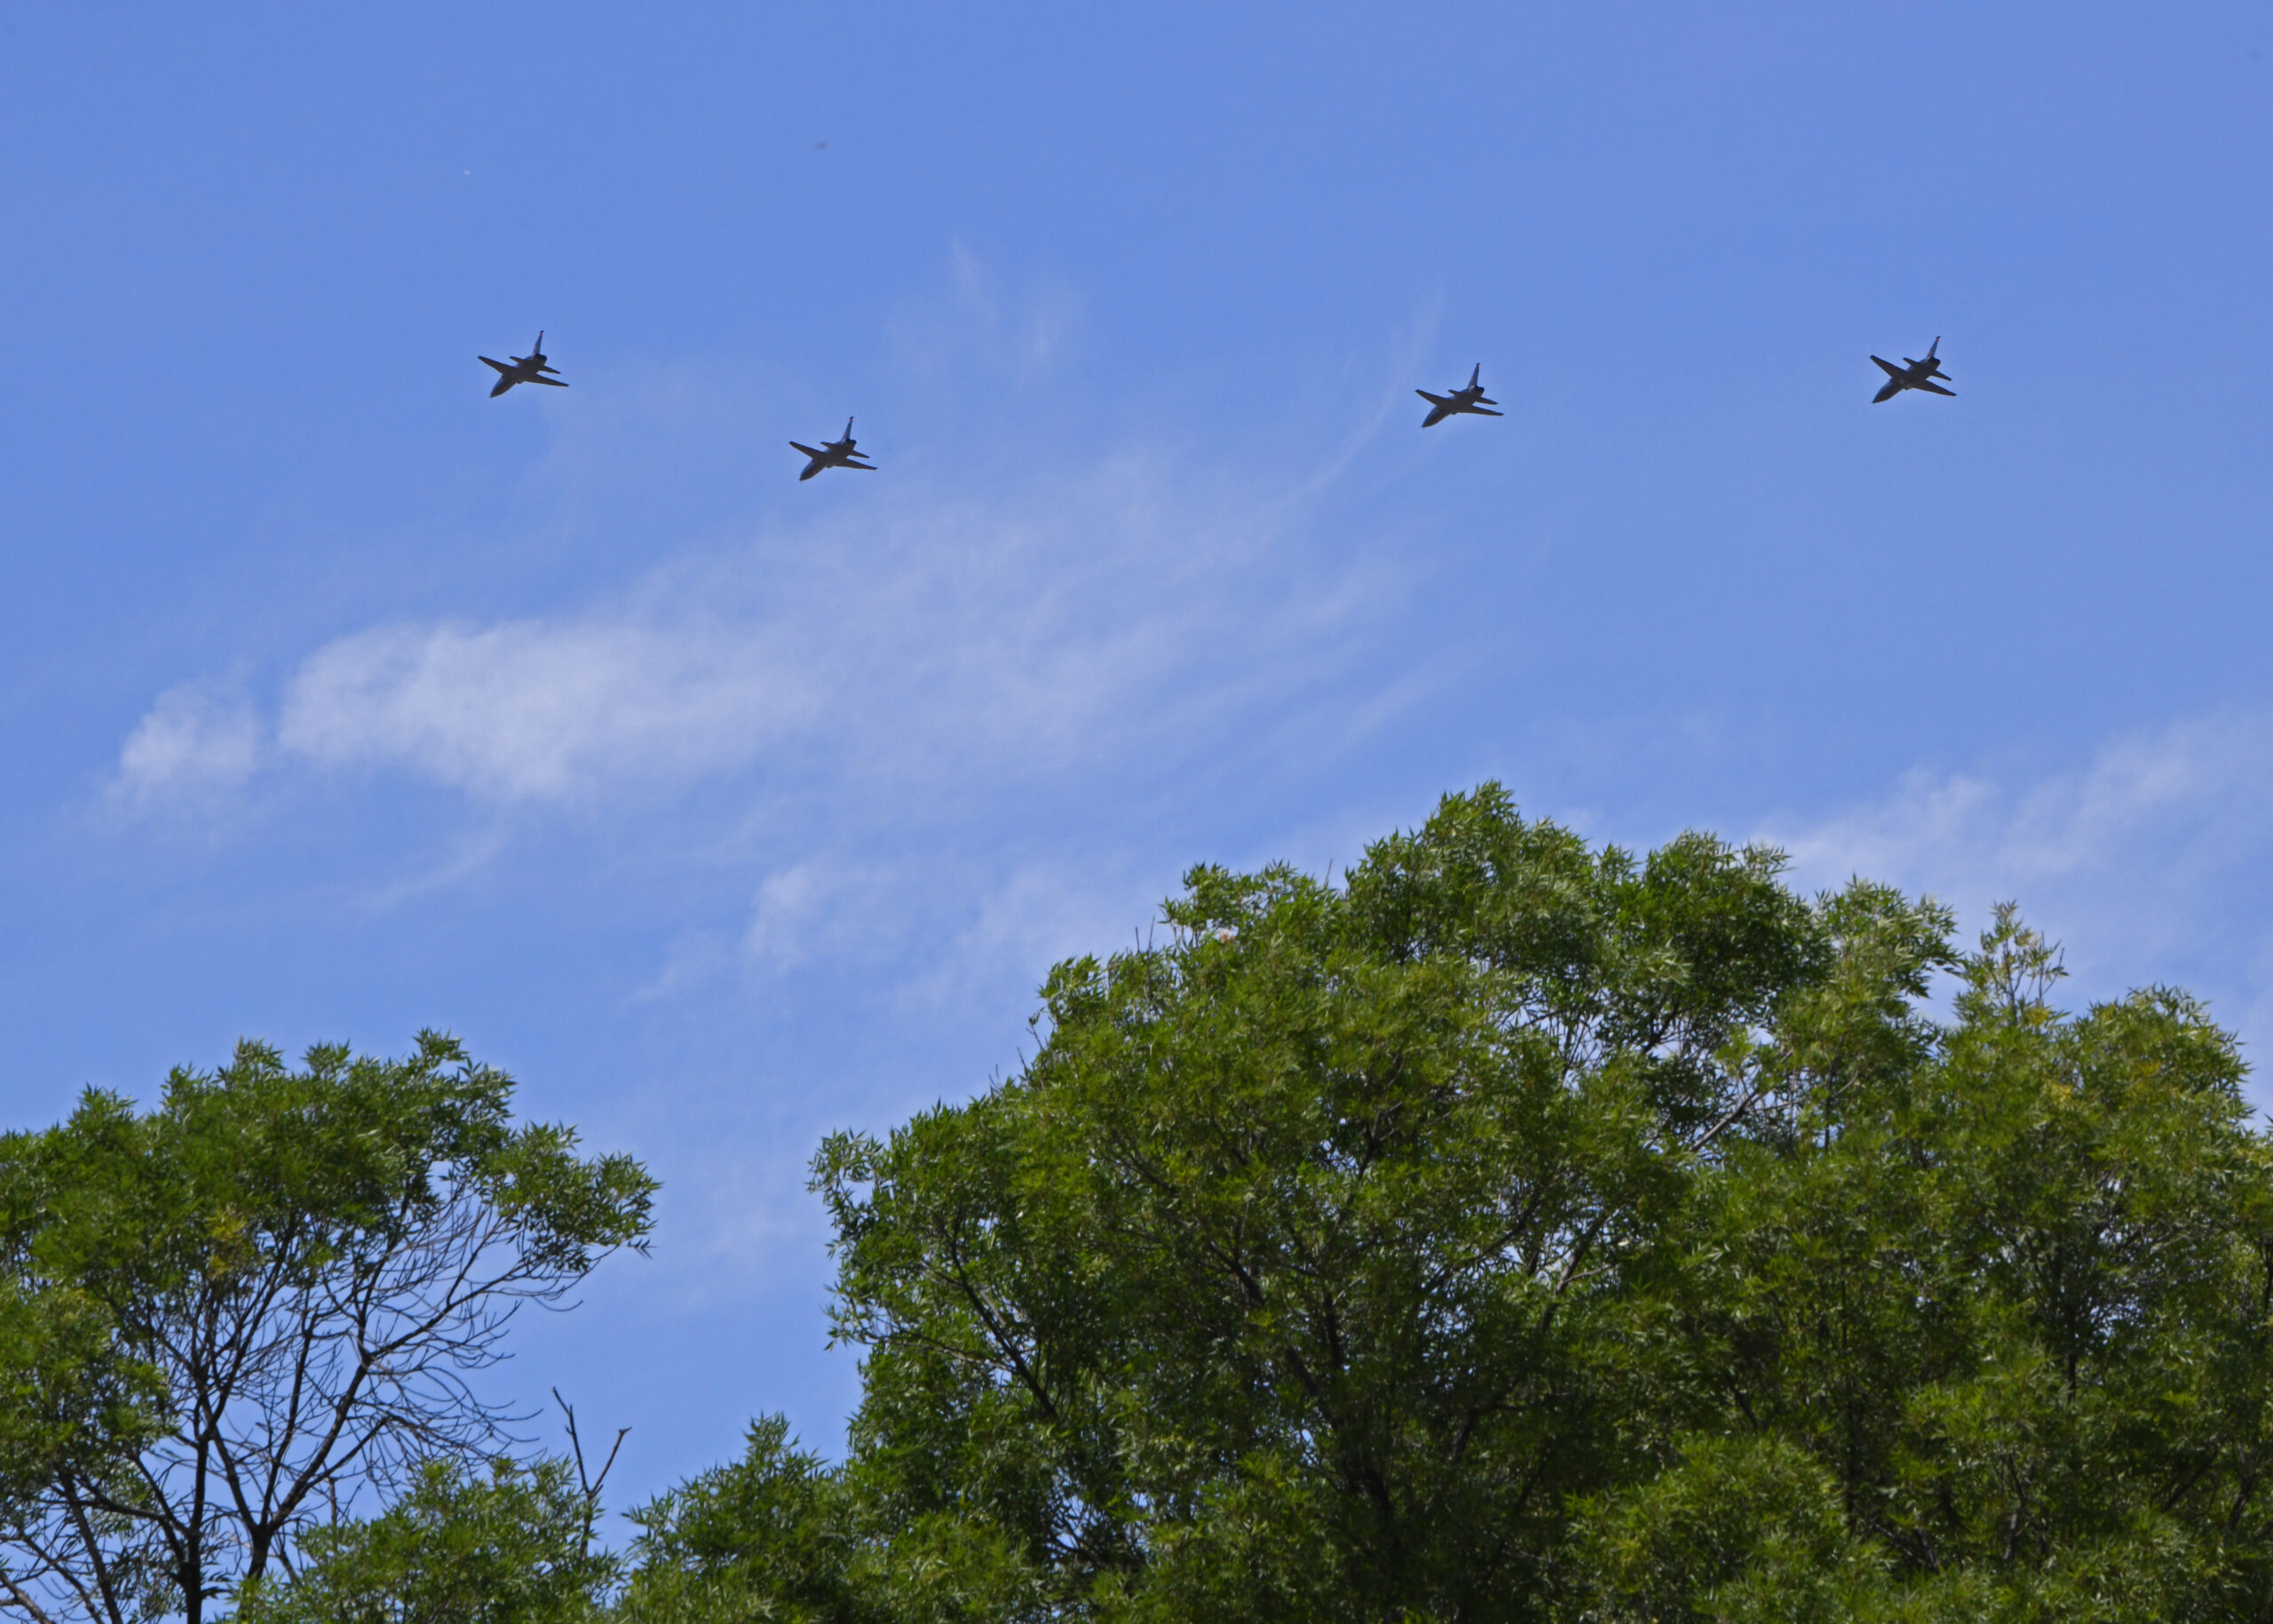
[(1514, 1231), (1518, 1231), (222, 1318)]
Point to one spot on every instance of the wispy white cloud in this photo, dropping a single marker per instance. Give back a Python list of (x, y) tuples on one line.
[(820, 906), (929, 642), (974, 923), (2148, 859), (531, 709), (1024, 332), (2173, 806), (1035, 915), (195, 741)]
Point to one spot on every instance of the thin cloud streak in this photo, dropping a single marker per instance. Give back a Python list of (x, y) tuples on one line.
[(194, 743), (929, 644), (2148, 860), (535, 710), (2182, 803)]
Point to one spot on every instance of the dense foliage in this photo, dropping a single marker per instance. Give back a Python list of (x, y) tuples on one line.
[(514, 1547), (1514, 1231), (1522, 1231), (222, 1318)]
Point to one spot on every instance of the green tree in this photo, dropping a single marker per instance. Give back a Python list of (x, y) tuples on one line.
[(1274, 1285), (241, 1307), (1522, 1231), (513, 1547), (781, 1536), (1515, 1232), (2013, 1303), (767, 1537)]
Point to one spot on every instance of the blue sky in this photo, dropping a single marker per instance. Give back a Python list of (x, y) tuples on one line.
[(338, 699)]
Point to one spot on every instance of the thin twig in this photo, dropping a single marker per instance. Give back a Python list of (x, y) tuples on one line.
[(590, 1485)]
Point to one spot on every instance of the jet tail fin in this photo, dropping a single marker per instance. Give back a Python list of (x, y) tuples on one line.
[(1474, 372)]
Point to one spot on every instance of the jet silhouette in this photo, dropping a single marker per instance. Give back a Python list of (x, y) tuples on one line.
[(836, 454), (1912, 374), (528, 369), (1468, 399)]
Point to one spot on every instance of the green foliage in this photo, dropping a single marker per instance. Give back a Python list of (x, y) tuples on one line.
[(778, 1536), (233, 1309), (2014, 1301), (1522, 1231), (767, 1537), (1276, 1285), (1744, 1530), (70, 1397), (455, 1549), (1516, 1232)]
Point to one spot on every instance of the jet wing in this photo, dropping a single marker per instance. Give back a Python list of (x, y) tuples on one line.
[(1937, 389), (1891, 369), (808, 450), (1479, 412), (556, 383), (499, 365)]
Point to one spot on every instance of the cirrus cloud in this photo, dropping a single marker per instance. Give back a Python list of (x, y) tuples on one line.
[(2148, 858), (193, 742), (528, 709), (931, 642)]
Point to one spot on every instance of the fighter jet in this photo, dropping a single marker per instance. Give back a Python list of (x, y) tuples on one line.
[(836, 454), (1468, 399), (528, 369), (1912, 374)]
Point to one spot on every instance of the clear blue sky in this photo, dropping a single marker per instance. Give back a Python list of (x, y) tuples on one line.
[(337, 699)]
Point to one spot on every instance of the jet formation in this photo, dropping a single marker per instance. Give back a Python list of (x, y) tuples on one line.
[(1469, 399), (833, 454)]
